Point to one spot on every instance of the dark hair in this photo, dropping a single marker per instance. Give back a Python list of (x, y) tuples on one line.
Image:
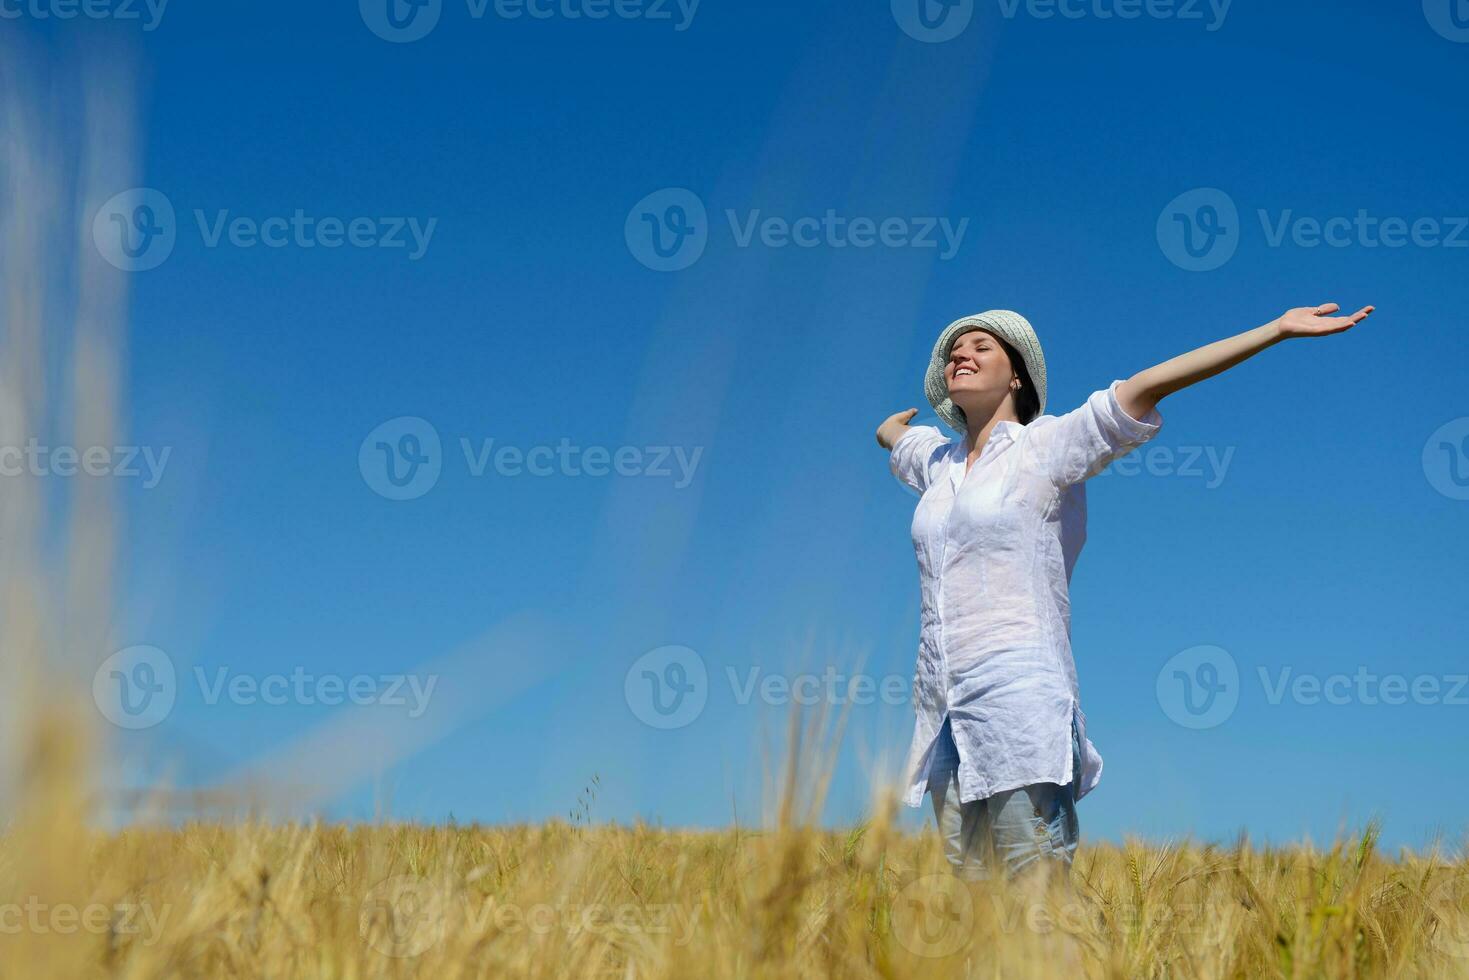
[(1027, 399)]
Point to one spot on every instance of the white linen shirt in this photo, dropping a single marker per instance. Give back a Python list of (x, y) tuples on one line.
[(995, 552)]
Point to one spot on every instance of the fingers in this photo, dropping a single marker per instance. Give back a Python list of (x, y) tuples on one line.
[(1342, 322), (909, 414), (1326, 309)]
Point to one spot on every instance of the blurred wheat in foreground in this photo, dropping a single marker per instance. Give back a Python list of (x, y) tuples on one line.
[(560, 900)]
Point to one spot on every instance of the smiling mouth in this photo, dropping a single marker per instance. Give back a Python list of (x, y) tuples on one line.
[(964, 372)]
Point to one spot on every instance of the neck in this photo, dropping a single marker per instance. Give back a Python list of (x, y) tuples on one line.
[(980, 423)]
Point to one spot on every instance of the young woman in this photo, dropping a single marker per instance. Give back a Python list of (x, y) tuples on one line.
[(1000, 740)]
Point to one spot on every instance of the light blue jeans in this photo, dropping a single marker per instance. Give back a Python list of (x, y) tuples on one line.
[(1017, 830)]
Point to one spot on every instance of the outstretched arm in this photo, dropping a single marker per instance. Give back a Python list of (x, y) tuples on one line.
[(893, 428), (1141, 392)]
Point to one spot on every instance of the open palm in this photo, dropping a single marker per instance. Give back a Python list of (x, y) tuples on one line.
[(1317, 321)]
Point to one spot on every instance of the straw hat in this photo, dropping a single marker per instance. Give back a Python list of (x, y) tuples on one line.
[(1013, 328)]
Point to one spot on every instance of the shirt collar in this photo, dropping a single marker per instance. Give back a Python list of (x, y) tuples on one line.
[(1004, 432)]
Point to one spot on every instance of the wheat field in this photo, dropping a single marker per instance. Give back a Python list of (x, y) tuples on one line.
[(573, 899)]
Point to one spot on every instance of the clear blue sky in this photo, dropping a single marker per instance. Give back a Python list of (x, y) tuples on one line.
[(1323, 546)]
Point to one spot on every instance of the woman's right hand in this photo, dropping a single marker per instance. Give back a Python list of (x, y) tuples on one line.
[(892, 430)]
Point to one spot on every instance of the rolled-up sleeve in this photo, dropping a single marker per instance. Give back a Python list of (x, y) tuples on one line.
[(914, 454), (1076, 446)]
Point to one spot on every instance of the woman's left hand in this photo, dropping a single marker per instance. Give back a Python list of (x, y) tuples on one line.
[(1317, 321)]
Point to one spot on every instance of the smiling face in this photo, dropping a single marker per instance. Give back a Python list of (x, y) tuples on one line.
[(978, 370)]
